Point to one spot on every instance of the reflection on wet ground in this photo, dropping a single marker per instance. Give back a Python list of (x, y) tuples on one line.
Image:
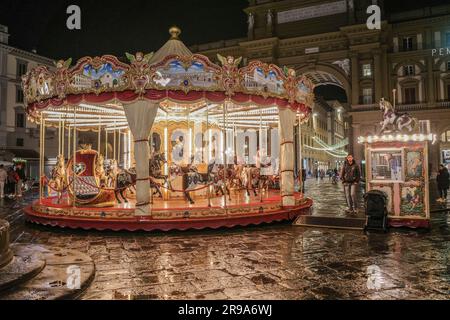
[(267, 262)]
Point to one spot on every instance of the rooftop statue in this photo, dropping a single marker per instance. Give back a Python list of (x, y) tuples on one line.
[(394, 121)]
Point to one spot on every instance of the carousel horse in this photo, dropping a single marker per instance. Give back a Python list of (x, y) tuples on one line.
[(190, 175), (100, 171), (216, 176), (250, 179), (112, 173), (58, 182), (397, 121), (156, 163), (125, 179)]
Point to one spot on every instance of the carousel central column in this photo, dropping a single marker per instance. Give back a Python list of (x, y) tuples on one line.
[(141, 116), (287, 119)]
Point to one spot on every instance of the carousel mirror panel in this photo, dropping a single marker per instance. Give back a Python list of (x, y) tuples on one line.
[(387, 165)]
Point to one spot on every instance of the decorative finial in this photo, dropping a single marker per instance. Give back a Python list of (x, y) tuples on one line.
[(175, 32)]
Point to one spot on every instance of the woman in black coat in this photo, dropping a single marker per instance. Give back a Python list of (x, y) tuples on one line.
[(443, 183)]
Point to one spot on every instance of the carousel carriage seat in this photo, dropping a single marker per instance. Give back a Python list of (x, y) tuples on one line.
[(88, 187)]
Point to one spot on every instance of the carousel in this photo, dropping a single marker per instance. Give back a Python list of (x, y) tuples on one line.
[(180, 142)]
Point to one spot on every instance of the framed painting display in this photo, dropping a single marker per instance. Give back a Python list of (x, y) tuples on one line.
[(412, 200), (414, 165)]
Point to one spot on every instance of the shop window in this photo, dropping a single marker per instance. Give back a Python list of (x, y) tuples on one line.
[(447, 38), (448, 65)]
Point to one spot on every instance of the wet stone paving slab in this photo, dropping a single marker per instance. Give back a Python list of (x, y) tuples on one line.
[(279, 261)]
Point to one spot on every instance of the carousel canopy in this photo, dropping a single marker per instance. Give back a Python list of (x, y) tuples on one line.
[(93, 92), (172, 47)]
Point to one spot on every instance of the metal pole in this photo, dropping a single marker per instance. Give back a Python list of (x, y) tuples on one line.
[(114, 143), (260, 155), (300, 154), (63, 138), (59, 136), (74, 160), (234, 142), (43, 149), (99, 139), (207, 157), (119, 156), (41, 174), (224, 142), (106, 144), (69, 142)]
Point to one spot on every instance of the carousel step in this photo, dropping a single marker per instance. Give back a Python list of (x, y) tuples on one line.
[(49, 276), (331, 222)]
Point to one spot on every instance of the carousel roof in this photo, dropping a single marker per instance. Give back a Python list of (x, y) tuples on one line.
[(172, 47), (186, 86)]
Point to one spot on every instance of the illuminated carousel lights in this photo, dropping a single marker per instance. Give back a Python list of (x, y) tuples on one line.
[(94, 105), (399, 137)]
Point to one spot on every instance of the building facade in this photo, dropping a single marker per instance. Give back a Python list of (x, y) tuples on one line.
[(19, 138), (329, 42), (323, 137)]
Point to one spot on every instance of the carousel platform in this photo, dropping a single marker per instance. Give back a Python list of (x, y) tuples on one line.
[(171, 214)]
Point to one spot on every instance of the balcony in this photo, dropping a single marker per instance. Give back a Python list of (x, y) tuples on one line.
[(403, 107)]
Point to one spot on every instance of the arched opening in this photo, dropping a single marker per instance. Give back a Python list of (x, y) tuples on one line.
[(324, 140)]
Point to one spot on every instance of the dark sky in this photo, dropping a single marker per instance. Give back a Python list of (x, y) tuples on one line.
[(115, 27)]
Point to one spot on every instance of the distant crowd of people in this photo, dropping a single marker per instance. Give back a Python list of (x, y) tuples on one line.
[(321, 173), (11, 181)]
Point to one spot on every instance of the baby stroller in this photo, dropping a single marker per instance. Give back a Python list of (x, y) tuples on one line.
[(375, 202)]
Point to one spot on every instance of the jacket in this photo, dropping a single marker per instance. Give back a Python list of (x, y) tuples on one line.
[(443, 179), (350, 173)]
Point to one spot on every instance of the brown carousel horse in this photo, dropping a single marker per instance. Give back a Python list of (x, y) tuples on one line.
[(126, 179), (216, 176), (253, 178)]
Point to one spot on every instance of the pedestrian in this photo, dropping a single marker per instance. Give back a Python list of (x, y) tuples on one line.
[(303, 180), (3, 178), (443, 183), (12, 181), (21, 174), (350, 177)]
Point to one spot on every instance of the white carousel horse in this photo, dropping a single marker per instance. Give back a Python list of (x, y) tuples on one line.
[(397, 121)]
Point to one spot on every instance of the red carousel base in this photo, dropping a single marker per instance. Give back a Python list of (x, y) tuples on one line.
[(170, 215)]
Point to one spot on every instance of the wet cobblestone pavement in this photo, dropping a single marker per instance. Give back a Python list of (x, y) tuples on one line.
[(269, 262)]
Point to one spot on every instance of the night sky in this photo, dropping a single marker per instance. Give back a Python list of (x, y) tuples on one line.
[(116, 27)]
